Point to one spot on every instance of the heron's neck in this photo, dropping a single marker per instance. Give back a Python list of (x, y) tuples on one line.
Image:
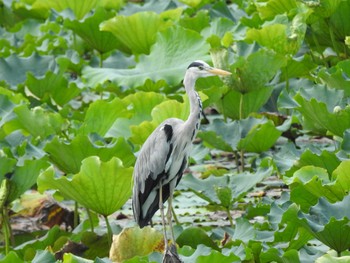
[(193, 121)]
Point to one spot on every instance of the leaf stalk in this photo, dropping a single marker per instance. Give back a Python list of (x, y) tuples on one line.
[(109, 231)]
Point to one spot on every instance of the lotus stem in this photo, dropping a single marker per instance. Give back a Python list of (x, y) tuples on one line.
[(229, 216), (236, 160), (90, 219), (241, 107), (331, 33), (6, 229), (101, 60), (318, 48), (241, 118), (242, 160), (109, 231), (76, 216)]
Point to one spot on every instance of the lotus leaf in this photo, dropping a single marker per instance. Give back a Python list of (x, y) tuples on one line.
[(24, 177), (79, 8), (255, 71), (310, 183), (89, 30), (327, 222), (37, 122), (52, 86), (13, 69), (67, 156), (177, 47), (239, 184), (103, 187), (275, 7), (318, 118), (101, 115), (195, 236)]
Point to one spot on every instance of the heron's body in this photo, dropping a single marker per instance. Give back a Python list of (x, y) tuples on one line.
[(166, 165), (163, 157)]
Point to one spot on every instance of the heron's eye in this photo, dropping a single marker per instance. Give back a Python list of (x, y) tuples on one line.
[(201, 67)]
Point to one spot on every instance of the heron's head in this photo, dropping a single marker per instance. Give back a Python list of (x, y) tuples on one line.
[(201, 69)]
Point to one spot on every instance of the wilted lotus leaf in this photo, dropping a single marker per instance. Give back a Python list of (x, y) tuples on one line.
[(135, 241)]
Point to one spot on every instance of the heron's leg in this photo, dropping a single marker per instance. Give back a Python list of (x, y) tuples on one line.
[(169, 217), (161, 209)]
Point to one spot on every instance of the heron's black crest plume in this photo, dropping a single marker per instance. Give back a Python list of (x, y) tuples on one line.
[(196, 64)]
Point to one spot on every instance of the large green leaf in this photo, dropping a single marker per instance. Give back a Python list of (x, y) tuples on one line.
[(27, 250), (194, 236), (204, 254), (79, 8), (325, 8), (331, 97), (325, 159), (237, 105), (221, 135), (310, 183), (306, 186), (98, 246), (318, 118), (298, 68), (136, 32), (14, 68), (219, 34), (71, 258), (329, 258), (68, 156), (140, 106), (52, 86), (103, 187), (101, 115), (340, 175), (244, 135), (328, 26), (176, 46), (6, 109), (37, 122), (43, 256), (280, 35), (280, 256), (11, 257), (255, 71), (195, 22), (89, 30), (261, 137), (268, 10), (239, 184), (24, 177), (6, 165), (327, 222), (337, 77), (8, 102)]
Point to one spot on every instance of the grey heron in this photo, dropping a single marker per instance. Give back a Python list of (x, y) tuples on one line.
[(163, 157)]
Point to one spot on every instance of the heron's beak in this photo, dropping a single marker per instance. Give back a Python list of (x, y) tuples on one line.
[(217, 71)]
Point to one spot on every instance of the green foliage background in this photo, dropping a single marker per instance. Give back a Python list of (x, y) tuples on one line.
[(83, 84)]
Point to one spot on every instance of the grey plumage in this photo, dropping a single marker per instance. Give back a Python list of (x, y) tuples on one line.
[(163, 157)]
